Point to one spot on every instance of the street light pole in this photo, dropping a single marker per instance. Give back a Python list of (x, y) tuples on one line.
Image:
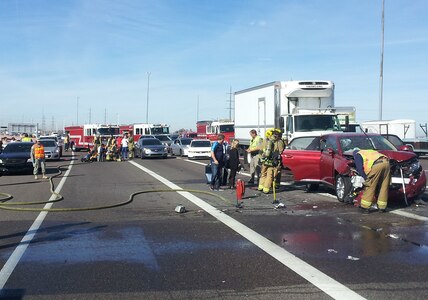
[(148, 90), (381, 62)]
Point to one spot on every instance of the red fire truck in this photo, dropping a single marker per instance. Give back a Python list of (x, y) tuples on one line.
[(145, 129), (82, 136), (211, 129)]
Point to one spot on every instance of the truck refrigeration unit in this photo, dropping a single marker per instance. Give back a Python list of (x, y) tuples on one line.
[(298, 108)]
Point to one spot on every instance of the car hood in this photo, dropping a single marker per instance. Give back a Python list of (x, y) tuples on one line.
[(15, 155), (154, 147), (398, 156), (200, 148)]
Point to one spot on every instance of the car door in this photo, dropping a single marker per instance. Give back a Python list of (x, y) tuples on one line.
[(329, 149), (301, 160)]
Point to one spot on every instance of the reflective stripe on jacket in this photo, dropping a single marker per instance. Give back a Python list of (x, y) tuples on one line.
[(39, 152), (369, 157)]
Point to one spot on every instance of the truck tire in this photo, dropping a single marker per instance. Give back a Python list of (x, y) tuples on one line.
[(343, 187)]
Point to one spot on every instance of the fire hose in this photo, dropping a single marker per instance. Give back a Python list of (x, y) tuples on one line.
[(12, 206)]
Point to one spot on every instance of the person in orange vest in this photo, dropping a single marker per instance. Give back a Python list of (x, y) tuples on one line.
[(38, 157), (375, 169)]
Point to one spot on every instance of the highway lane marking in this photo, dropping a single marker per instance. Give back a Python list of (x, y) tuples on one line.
[(324, 282), (407, 214), (399, 212), (19, 251)]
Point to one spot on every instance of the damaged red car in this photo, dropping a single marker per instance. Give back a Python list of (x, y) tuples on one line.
[(328, 160)]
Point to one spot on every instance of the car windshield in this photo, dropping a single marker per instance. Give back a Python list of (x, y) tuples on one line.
[(48, 143), (150, 142), (317, 123), (49, 138), (186, 141), (17, 147), (395, 140), (163, 138), (108, 131), (226, 128), (377, 142), (160, 130), (200, 144)]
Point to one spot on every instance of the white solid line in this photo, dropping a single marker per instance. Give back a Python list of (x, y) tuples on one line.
[(19, 251), (408, 215), (324, 282)]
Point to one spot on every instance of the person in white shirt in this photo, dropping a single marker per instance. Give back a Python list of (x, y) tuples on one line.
[(124, 145)]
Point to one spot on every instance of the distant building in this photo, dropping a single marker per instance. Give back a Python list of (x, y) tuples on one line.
[(19, 128)]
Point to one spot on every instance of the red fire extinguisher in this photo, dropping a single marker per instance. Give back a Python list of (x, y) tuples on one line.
[(240, 191)]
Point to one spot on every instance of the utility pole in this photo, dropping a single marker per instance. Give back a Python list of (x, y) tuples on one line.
[(381, 62), (148, 91)]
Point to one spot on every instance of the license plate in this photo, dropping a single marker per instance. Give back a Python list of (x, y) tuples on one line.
[(399, 180)]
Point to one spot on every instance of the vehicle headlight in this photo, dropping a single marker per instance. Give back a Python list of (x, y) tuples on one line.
[(165, 149), (28, 160), (1, 161), (414, 167), (57, 150), (146, 150)]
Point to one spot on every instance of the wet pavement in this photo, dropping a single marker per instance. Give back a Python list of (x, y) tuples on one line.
[(148, 250)]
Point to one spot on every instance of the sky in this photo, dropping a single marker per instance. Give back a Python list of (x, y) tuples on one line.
[(80, 61)]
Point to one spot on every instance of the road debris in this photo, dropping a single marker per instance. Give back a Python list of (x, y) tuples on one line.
[(393, 236), (180, 209), (352, 258), (279, 206)]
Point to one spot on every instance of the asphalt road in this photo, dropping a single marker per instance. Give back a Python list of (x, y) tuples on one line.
[(314, 248)]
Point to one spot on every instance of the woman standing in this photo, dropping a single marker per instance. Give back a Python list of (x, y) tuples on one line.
[(234, 163)]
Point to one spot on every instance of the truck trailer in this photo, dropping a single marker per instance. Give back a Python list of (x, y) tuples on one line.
[(405, 129), (298, 108)]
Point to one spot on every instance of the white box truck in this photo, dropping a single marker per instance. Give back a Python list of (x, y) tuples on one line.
[(298, 108)]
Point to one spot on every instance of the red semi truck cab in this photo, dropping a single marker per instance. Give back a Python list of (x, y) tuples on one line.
[(211, 129)]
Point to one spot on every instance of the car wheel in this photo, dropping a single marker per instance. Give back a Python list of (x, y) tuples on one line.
[(73, 147), (343, 187), (312, 187)]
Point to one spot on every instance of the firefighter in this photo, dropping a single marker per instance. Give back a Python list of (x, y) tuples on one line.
[(131, 145), (375, 169), (67, 141), (38, 158), (97, 141), (279, 146), (270, 159), (254, 150)]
